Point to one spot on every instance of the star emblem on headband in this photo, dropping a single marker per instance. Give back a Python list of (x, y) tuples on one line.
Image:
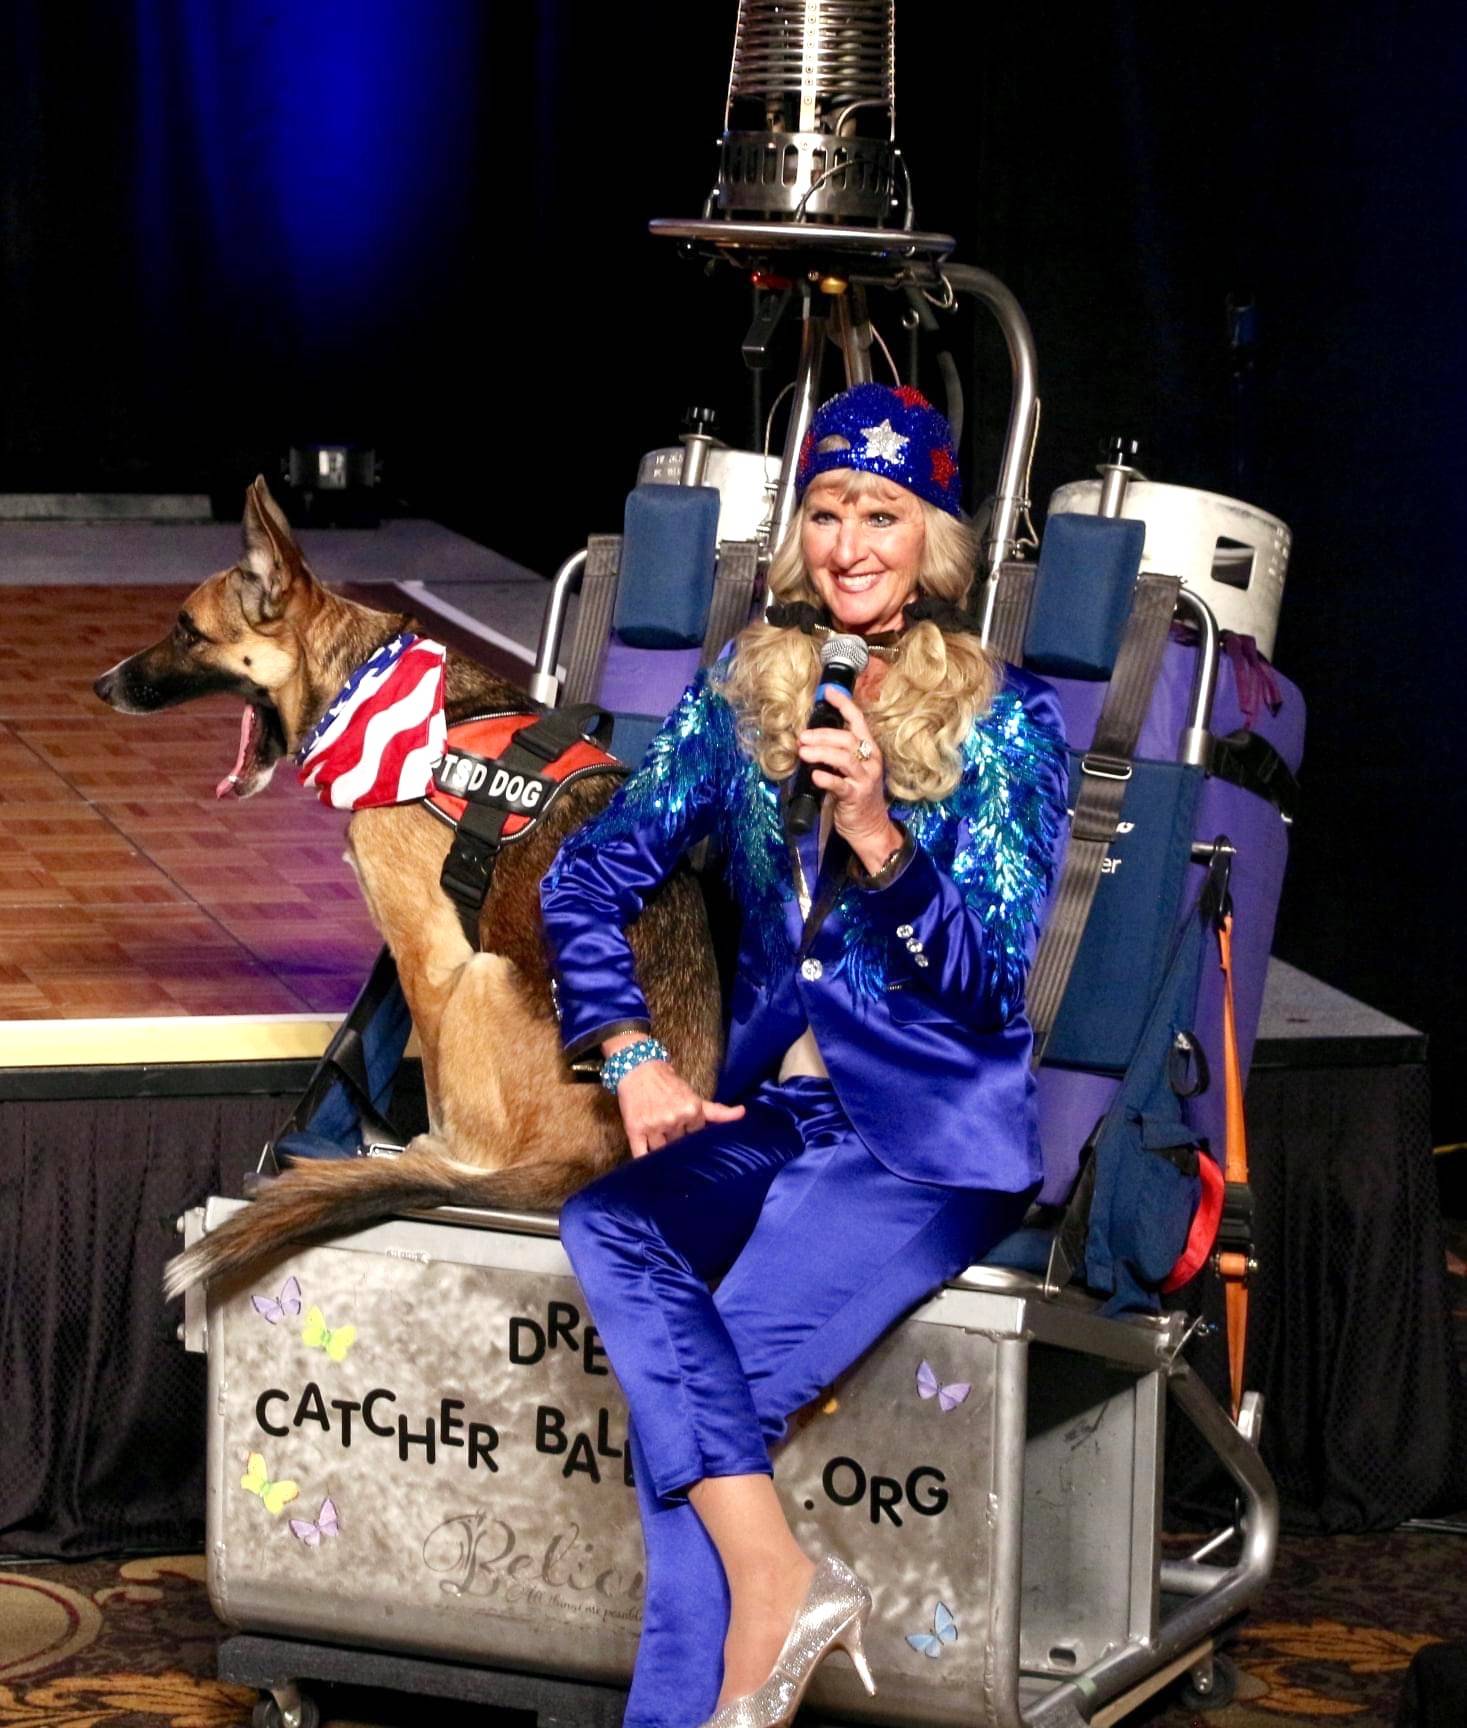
[(883, 443)]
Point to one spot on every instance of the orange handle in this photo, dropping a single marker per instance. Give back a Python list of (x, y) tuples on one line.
[(1233, 1267), (1235, 1165)]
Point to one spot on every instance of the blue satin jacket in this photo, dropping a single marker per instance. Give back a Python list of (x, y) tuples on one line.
[(914, 991)]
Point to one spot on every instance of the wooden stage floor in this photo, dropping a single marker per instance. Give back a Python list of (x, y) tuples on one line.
[(126, 887)]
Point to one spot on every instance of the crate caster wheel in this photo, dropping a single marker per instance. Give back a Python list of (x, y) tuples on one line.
[(304, 1713), (1211, 1684)]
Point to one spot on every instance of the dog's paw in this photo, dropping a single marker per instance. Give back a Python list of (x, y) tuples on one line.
[(429, 1145), (441, 1152)]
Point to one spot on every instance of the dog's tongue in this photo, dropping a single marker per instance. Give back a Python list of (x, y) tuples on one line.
[(235, 782)]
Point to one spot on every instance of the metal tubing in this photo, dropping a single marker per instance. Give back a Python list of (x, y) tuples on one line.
[(1006, 1526), (1148, 1397), (544, 683), (1236, 1589), (925, 319), (696, 446), (807, 391), (1190, 1577), (1001, 542), (1115, 478), (1195, 747), (287, 1698), (1223, 1537), (488, 1218), (850, 330), (1203, 852)]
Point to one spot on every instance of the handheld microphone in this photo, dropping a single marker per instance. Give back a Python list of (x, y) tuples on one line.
[(841, 661)]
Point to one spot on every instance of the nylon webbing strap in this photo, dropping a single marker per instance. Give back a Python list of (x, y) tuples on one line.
[(469, 867), (733, 595), (558, 728), (1012, 604), (593, 619), (1105, 769)]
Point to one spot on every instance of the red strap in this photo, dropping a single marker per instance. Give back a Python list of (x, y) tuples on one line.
[(1203, 1233)]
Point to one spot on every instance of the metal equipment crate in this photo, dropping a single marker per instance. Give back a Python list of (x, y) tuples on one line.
[(433, 1391)]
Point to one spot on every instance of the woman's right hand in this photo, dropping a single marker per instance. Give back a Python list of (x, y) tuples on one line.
[(658, 1106)]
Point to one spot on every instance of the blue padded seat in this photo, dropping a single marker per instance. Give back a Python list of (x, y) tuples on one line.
[(1082, 595), (668, 558)]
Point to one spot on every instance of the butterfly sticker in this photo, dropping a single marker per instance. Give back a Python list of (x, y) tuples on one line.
[(275, 1308), (944, 1631), (317, 1335), (276, 1495), (949, 1396), (326, 1524)]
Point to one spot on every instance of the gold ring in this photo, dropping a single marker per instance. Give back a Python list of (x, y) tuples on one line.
[(863, 750)]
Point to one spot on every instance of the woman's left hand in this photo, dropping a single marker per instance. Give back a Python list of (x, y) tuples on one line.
[(849, 768)]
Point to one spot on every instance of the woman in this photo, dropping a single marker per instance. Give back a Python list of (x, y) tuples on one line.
[(873, 1131)]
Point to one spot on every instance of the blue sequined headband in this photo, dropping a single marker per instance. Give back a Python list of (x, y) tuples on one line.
[(895, 433)]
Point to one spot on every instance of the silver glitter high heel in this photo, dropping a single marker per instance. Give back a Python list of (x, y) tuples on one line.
[(832, 1617)]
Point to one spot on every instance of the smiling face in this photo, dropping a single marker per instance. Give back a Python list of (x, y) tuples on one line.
[(863, 548)]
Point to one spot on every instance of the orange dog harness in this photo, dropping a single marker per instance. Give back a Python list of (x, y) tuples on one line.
[(498, 775)]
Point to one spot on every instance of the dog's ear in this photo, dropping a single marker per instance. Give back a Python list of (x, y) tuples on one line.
[(273, 562)]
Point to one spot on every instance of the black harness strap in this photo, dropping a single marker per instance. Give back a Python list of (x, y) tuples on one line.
[(469, 867)]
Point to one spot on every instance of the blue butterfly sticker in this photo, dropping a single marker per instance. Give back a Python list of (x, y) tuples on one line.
[(944, 1631)]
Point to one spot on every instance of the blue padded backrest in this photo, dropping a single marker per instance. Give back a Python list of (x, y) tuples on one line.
[(1128, 938), (669, 550), (1082, 594)]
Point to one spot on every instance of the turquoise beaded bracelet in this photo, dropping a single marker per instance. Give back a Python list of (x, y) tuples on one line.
[(616, 1068)]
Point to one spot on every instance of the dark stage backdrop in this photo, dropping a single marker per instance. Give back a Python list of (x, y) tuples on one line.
[(421, 223)]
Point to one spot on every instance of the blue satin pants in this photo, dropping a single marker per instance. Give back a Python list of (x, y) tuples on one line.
[(819, 1248)]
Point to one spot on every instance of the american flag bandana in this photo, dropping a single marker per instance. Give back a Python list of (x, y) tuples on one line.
[(378, 741)]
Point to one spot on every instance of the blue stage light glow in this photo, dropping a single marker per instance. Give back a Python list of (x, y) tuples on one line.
[(322, 147)]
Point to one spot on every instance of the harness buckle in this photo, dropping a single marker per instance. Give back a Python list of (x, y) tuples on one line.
[(468, 867), (1103, 767)]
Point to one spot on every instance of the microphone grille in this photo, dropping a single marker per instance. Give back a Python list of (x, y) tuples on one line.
[(844, 651)]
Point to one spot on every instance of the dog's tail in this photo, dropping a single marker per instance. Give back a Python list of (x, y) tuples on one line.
[(328, 1196)]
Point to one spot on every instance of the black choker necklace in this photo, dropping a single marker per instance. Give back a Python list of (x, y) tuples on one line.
[(925, 609)]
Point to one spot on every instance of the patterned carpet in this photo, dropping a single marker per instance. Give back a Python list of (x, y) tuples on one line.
[(114, 1644), (131, 1643)]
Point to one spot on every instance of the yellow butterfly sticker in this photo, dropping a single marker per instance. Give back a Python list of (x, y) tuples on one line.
[(317, 1335), (276, 1495)]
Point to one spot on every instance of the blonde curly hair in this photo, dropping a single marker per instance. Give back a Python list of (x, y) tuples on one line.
[(936, 686)]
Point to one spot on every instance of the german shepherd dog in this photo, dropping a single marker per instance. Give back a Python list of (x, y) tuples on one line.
[(508, 1124)]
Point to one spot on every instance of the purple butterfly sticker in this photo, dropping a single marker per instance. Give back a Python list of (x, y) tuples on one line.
[(948, 1397), (326, 1524), (275, 1308)]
